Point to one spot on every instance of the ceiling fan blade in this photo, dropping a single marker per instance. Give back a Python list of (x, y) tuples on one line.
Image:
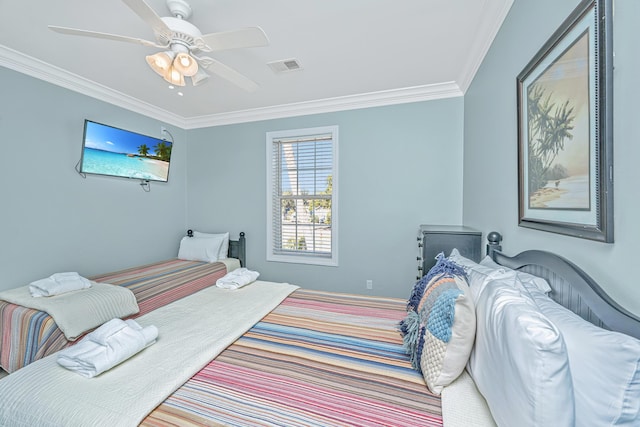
[(228, 73), (76, 32), (148, 15), (234, 39)]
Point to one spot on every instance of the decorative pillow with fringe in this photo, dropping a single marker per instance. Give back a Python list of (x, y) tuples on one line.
[(439, 329)]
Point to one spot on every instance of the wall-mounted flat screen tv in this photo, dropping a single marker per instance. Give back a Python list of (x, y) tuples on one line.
[(107, 150)]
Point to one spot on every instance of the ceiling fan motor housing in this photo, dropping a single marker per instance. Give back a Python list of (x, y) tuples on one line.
[(184, 32)]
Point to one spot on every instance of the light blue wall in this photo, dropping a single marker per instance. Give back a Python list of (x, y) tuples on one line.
[(399, 167), (490, 147), (51, 219)]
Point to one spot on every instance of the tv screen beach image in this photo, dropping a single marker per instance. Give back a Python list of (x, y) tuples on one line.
[(116, 152)]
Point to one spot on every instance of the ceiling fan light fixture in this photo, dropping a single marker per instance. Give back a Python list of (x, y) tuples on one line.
[(185, 64), (160, 62), (174, 77)]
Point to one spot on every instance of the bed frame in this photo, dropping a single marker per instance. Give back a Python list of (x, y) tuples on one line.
[(237, 248), (571, 287)]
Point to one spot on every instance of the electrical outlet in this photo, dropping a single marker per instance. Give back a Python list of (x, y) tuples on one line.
[(369, 284)]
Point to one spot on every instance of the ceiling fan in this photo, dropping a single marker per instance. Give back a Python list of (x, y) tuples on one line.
[(182, 44)]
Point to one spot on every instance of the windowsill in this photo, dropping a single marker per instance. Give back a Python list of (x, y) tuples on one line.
[(328, 262)]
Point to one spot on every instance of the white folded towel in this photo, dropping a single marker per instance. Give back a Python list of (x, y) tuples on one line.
[(102, 334), (237, 278), (150, 333), (106, 347), (65, 275), (57, 284)]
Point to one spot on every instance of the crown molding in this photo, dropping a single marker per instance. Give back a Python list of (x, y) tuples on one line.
[(330, 105), (41, 70), (491, 21)]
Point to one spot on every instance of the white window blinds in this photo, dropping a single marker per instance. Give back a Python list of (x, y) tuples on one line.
[(302, 187)]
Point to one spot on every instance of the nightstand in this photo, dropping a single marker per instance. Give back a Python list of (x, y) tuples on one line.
[(434, 239)]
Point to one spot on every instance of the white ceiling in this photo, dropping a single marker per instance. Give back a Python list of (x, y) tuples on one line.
[(353, 53)]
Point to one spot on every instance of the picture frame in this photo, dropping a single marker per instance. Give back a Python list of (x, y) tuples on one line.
[(565, 128)]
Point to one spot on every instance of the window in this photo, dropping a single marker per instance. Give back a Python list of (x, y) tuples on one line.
[(302, 202)]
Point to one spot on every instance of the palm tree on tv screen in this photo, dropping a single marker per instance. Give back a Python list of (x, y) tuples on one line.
[(163, 151)]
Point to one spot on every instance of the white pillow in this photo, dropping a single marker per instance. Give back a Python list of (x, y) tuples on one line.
[(460, 260), (224, 249), (605, 367), (519, 361), (200, 248), (538, 282), (480, 275)]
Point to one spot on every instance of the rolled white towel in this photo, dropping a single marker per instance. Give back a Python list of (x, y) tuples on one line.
[(89, 358), (237, 278), (57, 284), (150, 333), (102, 334)]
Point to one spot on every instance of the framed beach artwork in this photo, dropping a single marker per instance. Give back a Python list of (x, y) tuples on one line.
[(565, 133)]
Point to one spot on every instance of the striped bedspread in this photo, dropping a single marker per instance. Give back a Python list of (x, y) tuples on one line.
[(318, 359), (28, 335)]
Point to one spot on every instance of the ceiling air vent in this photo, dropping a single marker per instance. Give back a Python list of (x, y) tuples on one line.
[(284, 65)]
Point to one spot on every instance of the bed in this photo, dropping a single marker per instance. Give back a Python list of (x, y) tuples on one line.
[(312, 359), (605, 370), (28, 334)]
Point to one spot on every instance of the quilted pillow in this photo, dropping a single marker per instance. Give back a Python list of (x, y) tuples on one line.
[(440, 325)]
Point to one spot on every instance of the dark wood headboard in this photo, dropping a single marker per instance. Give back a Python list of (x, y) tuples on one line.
[(237, 248), (571, 287)]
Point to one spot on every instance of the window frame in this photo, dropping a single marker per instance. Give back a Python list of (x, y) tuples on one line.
[(271, 138)]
